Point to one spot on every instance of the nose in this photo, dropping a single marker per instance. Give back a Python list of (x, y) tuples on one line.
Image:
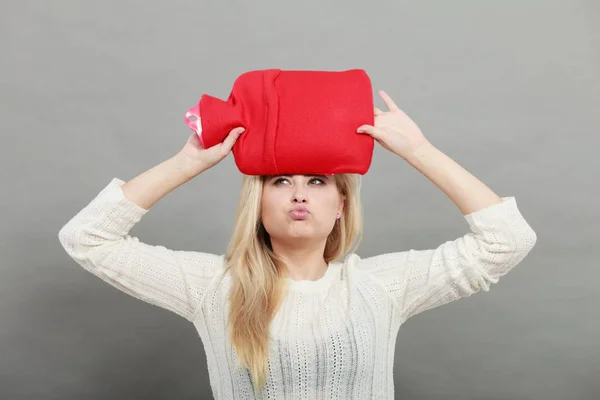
[(299, 196)]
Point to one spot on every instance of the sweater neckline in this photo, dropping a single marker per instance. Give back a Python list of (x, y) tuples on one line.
[(319, 285)]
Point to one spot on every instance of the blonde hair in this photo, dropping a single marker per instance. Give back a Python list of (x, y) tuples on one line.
[(258, 284)]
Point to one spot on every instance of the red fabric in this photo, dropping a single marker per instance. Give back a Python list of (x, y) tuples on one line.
[(297, 122)]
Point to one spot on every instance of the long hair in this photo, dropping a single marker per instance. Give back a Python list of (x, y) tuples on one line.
[(258, 286)]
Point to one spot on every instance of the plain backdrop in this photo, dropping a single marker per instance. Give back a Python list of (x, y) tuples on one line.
[(92, 90)]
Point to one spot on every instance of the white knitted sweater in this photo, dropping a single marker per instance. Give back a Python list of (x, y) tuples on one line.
[(333, 338)]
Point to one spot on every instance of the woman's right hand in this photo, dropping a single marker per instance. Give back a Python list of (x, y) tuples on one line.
[(197, 159)]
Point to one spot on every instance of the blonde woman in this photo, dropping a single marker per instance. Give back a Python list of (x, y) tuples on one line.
[(290, 311)]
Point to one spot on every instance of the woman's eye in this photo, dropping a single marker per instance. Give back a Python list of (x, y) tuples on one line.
[(279, 180)]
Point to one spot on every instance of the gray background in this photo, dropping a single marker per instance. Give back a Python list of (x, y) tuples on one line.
[(97, 89)]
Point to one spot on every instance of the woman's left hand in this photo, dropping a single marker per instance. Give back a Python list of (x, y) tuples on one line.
[(394, 130)]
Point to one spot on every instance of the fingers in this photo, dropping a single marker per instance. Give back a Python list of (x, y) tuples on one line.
[(232, 137), (238, 131), (388, 101), (377, 111), (370, 130)]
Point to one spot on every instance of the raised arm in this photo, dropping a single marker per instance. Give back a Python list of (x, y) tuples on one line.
[(499, 239), (98, 239), (419, 280)]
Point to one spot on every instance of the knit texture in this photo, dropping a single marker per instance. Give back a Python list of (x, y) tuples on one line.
[(333, 338)]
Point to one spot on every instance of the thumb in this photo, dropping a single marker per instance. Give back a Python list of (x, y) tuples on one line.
[(232, 137), (370, 130)]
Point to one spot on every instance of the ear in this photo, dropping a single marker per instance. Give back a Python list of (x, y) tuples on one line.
[(341, 205)]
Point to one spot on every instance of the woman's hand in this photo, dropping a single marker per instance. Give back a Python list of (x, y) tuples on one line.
[(394, 130), (196, 159)]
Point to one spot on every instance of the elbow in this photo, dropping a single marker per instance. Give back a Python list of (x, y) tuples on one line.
[(75, 240), (526, 241), (515, 245), (494, 260), (68, 237), (531, 239), (64, 238)]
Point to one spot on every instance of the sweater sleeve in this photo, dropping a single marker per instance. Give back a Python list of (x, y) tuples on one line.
[(419, 280), (98, 239)]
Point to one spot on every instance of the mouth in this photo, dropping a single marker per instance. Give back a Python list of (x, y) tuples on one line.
[(299, 215)]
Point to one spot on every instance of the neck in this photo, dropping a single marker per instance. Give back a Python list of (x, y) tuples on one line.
[(302, 261)]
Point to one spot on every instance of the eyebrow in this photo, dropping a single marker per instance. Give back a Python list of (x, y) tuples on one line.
[(306, 176)]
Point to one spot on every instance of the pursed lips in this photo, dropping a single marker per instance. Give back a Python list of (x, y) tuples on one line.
[(299, 212)]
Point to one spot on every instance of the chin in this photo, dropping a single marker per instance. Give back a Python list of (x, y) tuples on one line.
[(296, 232), (298, 229), (306, 232), (301, 233)]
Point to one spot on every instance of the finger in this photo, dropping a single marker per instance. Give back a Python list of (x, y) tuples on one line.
[(370, 130), (377, 111), (388, 101), (232, 137)]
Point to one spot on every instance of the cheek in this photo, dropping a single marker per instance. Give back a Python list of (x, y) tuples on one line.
[(270, 206), (324, 211), (331, 203)]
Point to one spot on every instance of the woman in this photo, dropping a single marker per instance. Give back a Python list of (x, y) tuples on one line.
[(281, 317)]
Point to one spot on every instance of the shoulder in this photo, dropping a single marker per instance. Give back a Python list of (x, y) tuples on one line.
[(377, 262)]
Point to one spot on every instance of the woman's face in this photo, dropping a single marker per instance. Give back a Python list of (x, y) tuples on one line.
[(300, 206)]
